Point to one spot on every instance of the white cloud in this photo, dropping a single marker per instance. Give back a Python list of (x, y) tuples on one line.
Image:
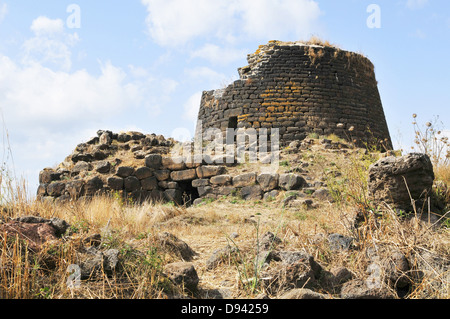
[(49, 109), (213, 78), (34, 93), (177, 22), (217, 55), (45, 26), (192, 106), (51, 45), (276, 19), (3, 11), (416, 4)]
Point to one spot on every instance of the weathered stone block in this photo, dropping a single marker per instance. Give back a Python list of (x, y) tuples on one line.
[(153, 161), (400, 180), (124, 171), (173, 163), (143, 173), (185, 175), (115, 183), (149, 183), (56, 189), (268, 181), (47, 175), (103, 167), (204, 190), (252, 192), (74, 188), (243, 180), (92, 186), (209, 171), (291, 182), (162, 175), (200, 182), (131, 183), (221, 180), (80, 167)]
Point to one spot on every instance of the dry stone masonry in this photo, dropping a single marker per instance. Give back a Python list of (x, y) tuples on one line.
[(294, 87), (301, 89), (141, 167)]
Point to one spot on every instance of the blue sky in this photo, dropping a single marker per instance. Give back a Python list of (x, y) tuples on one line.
[(69, 68)]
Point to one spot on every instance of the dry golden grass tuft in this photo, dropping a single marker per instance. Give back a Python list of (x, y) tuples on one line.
[(315, 40)]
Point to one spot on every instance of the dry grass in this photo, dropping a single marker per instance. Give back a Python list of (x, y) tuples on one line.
[(133, 230), (207, 228), (315, 40)]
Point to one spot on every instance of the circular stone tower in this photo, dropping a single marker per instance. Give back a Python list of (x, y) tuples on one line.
[(301, 89)]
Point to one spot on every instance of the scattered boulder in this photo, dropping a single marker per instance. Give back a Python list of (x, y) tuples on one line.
[(98, 263), (341, 275), (35, 231), (115, 183), (402, 182), (219, 256), (281, 277), (359, 289), (389, 266), (291, 182), (183, 274), (176, 245)]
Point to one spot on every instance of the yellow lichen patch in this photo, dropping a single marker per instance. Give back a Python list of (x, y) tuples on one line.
[(243, 118)]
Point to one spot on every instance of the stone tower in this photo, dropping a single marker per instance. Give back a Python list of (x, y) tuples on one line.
[(301, 89)]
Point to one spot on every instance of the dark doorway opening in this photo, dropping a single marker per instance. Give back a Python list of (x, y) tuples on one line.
[(233, 122), (189, 193)]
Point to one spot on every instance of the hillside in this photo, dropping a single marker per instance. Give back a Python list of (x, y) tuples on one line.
[(324, 238)]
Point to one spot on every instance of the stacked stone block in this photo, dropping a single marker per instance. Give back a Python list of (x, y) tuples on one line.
[(157, 177), (301, 89)]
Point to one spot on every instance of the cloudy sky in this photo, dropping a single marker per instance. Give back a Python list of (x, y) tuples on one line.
[(70, 68)]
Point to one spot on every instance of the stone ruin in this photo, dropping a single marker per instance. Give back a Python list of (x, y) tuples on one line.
[(301, 89), (296, 88), (151, 172)]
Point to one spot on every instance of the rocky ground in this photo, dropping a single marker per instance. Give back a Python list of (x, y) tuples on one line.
[(336, 236)]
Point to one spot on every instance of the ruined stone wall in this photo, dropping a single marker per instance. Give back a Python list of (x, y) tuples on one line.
[(301, 89), (135, 168)]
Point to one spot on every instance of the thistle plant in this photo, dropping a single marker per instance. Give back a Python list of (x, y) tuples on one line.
[(430, 140)]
